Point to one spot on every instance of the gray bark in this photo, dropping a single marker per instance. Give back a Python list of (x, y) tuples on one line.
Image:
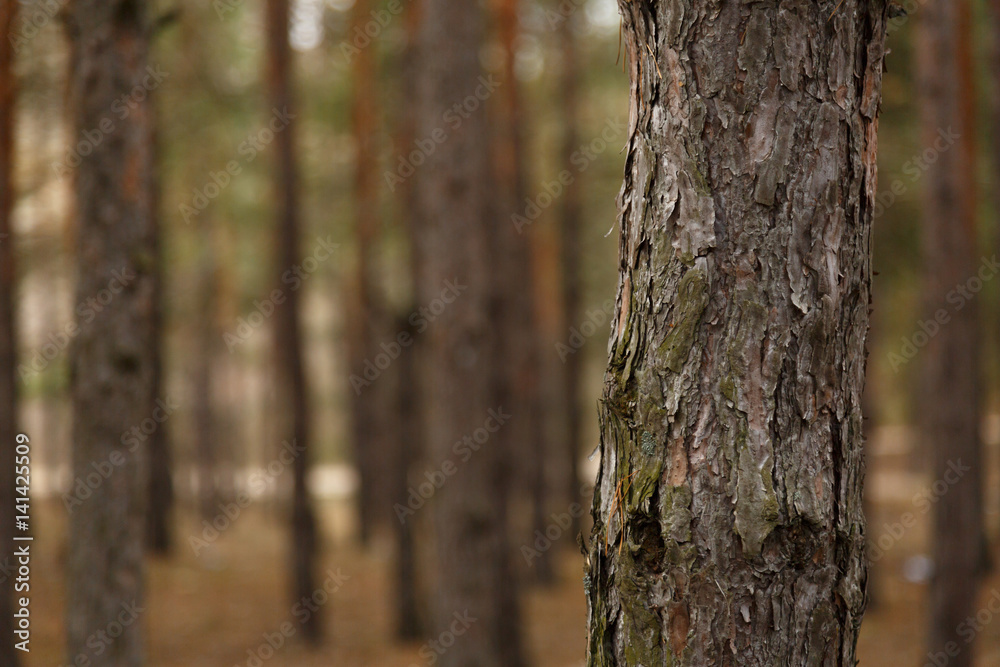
[(111, 363), (728, 512)]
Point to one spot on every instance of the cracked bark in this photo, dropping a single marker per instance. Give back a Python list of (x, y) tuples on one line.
[(728, 512)]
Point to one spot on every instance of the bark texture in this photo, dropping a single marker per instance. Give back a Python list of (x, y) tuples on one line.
[(288, 327), (8, 343), (728, 511), (112, 359), (458, 243), (950, 409)]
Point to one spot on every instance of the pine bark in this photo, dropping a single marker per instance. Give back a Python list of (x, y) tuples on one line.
[(111, 362), (8, 341), (950, 412), (288, 327), (728, 512), (472, 570)]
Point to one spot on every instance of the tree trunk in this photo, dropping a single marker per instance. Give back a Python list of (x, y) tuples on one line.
[(409, 441), (288, 329), (569, 232), (161, 487), (518, 338), (728, 511), (112, 360), (366, 401), (8, 342), (202, 394), (472, 561), (950, 415)]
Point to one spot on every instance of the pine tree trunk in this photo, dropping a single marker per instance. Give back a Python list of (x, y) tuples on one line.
[(366, 414), (112, 360), (728, 511), (518, 338), (472, 570), (287, 318), (8, 344), (409, 441), (161, 487), (950, 414)]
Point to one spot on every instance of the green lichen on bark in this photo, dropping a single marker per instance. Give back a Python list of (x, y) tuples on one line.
[(691, 300)]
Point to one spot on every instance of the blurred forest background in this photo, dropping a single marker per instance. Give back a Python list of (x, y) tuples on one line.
[(555, 89)]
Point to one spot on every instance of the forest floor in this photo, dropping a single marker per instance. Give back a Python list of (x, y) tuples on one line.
[(214, 609)]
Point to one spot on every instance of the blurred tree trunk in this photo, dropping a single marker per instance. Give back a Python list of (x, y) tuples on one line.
[(950, 414), (202, 394), (459, 245), (288, 329), (518, 338), (161, 487), (408, 438), (569, 232), (112, 359), (367, 402), (728, 514), (8, 332)]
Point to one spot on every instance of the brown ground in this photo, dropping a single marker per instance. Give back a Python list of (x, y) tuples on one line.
[(210, 612)]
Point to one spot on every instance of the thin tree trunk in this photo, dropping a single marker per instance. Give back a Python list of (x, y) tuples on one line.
[(518, 339), (112, 360), (365, 401), (409, 439), (202, 394), (728, 512), (569, 231), (8, 341), (161, 487), (950, 415), (288, 329), (472, 561)]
